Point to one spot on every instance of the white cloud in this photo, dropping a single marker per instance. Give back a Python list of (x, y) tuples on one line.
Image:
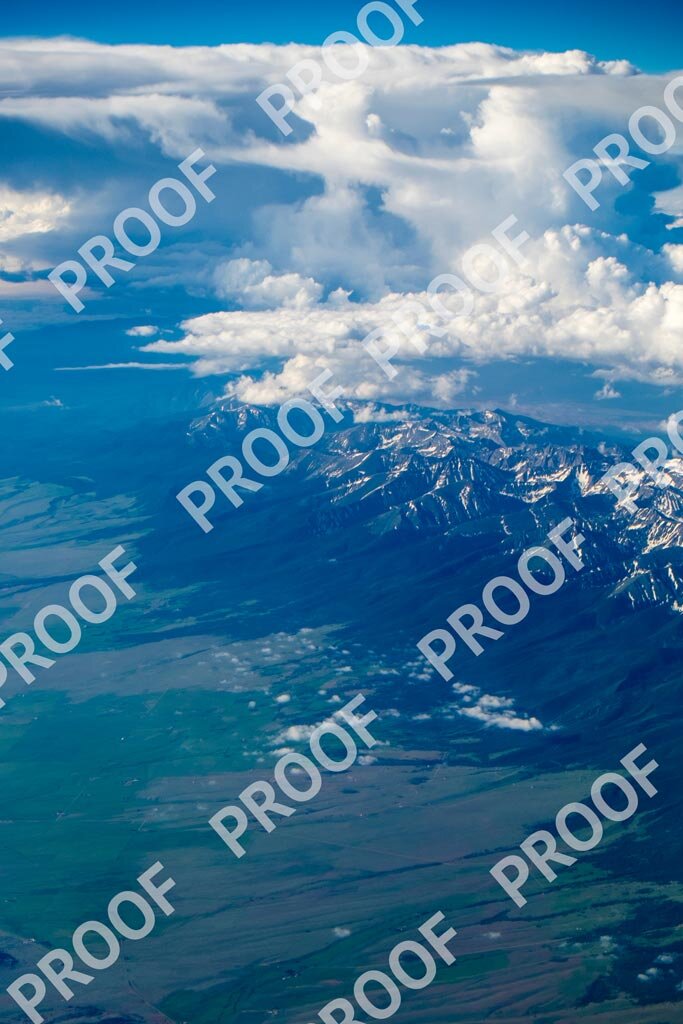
[(295, 734), (375, 414), (254, 285), (172, 122), (493, 711), (26, 291), (385, 182), (144, 331), (503, 720), (12, 264), (578, 300), (126, 366), (607, 391), (28, 213), (671, 202)]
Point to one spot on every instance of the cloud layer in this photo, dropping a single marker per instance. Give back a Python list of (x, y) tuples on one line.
[(385, 182)]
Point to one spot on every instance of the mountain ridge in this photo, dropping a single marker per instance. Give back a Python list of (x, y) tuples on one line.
[(462, 473)]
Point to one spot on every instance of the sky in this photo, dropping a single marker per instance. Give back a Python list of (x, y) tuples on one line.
[(648, 36), (319, 237)]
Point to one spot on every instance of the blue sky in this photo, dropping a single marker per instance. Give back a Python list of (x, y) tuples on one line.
[(648, 35)]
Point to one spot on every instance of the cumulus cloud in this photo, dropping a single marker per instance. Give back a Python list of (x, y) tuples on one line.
[(492, 710), (144, 331), (577, 298), (253, 284), (28, 213), (295, 734), (502, 719), (671, 202), (371, 413), (607, 391), (385, 182)]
